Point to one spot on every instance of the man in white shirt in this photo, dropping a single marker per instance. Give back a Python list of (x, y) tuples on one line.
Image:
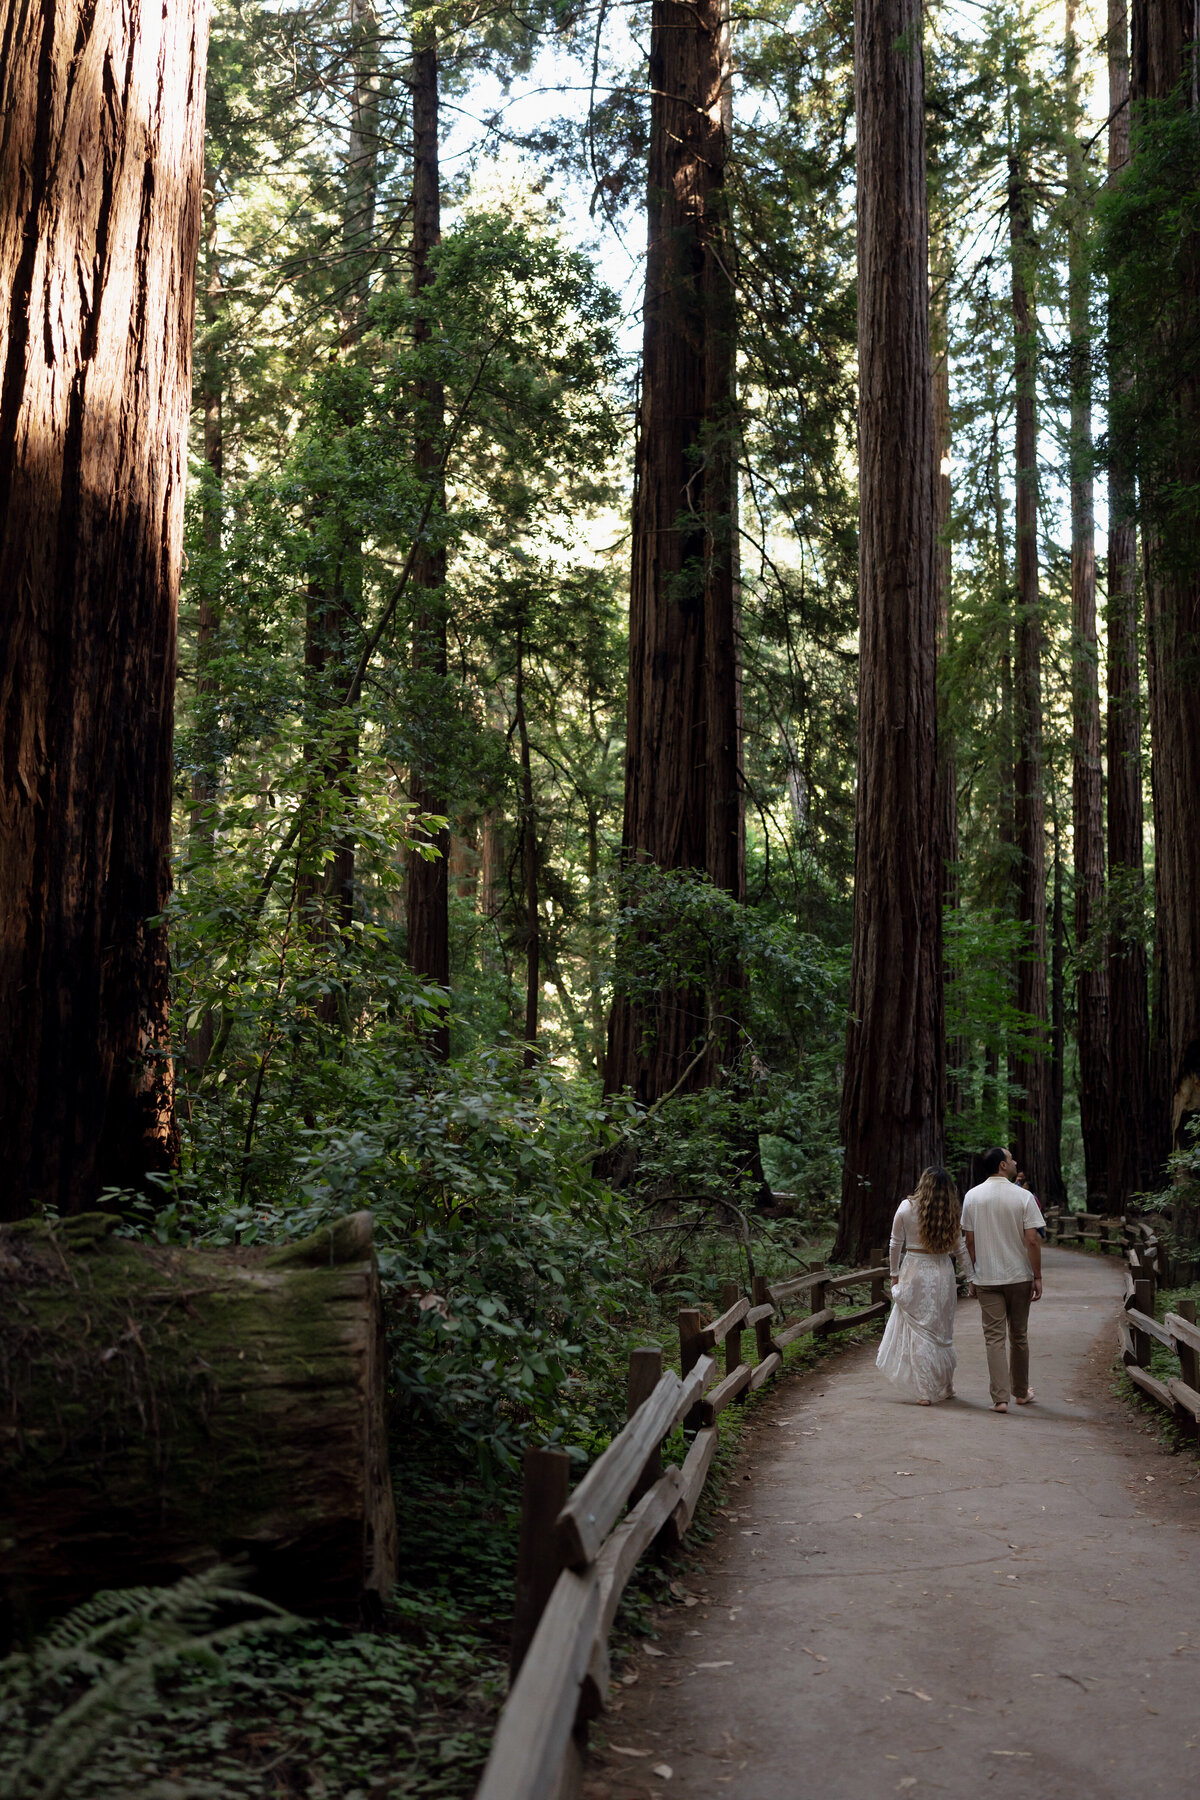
[(1001, 1222)]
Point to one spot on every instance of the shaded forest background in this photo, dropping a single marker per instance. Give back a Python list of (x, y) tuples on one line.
[(407, 594)]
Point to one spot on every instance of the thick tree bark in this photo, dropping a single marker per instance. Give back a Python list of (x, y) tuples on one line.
[(1131, 1137), (101, 163), (203, 821), (166, 1408), (1162, 67), (957, 1049), (1037, 1145), (204, 778), (682, 789), (428, 881), (1087, 788), (893, 1097)]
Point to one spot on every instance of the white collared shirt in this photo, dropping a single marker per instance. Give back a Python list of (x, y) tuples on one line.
[(1000, 1213)]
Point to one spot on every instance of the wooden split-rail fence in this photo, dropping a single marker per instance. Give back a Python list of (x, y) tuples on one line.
[(578, 1549), (1149, 1266), (1117, 1237), (1138, 1330)]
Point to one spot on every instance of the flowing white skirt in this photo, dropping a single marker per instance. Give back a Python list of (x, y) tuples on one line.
[(917, 1353)]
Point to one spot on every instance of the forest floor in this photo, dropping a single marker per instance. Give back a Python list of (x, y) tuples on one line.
[(942, 1599)]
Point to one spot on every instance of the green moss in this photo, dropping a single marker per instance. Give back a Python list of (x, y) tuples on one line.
[(156, 1376)]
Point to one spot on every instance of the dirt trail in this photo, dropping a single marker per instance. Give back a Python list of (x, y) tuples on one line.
[(939, 1600)]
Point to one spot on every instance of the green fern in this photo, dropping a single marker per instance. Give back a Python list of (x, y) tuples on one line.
[(61, 1700)]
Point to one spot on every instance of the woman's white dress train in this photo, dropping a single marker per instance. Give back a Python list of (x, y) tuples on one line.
[(917, 1353)]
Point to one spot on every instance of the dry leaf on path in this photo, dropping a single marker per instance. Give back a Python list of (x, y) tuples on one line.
[(664, 1771)]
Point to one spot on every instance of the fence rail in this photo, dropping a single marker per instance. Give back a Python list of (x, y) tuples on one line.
[(1148, 1266), (577, 1552)]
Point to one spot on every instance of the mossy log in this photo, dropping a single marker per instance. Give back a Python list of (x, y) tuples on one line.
[(164, 1408)]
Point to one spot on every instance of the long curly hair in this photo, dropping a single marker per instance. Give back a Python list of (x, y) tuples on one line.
[(939, 1211)]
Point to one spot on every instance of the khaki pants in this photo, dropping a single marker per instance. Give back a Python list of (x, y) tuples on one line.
[(1006, 1312)]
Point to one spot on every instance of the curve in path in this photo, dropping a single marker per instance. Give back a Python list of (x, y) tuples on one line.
[(917, 1600)]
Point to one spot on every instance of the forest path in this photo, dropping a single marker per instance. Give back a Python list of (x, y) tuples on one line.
[(939, 1599)]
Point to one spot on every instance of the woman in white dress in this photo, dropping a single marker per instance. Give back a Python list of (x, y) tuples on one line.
[(917, 1353)]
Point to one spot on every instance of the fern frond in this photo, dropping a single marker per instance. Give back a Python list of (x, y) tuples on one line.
[(121, 1642)]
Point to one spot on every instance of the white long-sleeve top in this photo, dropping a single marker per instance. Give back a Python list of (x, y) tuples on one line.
[(906, 1236)]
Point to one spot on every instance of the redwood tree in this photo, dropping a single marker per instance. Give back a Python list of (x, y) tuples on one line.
[(1130, 1137), (893, 1097), (1087, 790), (1036, 1140), (101, 168), (947, 807), (682, 785), (1163, 71)]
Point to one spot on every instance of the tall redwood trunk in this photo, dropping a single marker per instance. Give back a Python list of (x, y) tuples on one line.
[(203, 821), (1037, 1145), (1130, 1138), (893, 1097), (682, 791), (101, 163), (957, 1049), (204, 780), (1163, 57), (428, 881), (1087, 786)]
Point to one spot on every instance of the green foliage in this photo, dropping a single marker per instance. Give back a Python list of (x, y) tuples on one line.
[(146, 1691), (1150, 253), (503, 1262), (67, 1702), (981, 953)]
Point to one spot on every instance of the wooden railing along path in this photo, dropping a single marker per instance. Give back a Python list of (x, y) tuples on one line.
[(578, 1550), (1148, 1267)]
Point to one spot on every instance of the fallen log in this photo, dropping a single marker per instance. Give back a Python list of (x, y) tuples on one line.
[(164, 1408)]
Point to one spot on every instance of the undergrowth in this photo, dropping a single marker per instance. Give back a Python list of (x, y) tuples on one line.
[(199, 1692)]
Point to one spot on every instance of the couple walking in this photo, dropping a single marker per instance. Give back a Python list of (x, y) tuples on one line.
[(995, 1238)]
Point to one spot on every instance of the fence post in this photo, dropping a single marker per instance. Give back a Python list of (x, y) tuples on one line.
[(762, 1331), (817, 1299), (1189, 1359), (878, 1257), (1143, 1300), (730, 1295), (545, 1487), (690, 1324), (645, 1373)]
